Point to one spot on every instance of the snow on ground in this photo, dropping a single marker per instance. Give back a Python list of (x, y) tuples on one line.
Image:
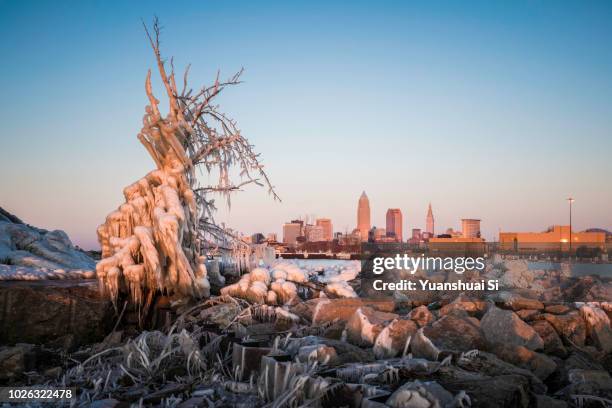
[(326, 270), (22, 273)]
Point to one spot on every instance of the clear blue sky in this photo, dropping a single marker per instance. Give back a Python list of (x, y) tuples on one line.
[(497, 110)]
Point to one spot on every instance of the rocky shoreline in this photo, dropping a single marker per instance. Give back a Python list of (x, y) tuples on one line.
[(544, 341)]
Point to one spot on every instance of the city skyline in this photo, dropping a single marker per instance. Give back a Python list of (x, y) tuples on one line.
[(470, 228), (492, 110)]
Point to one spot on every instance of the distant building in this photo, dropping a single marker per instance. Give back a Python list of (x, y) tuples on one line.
[(394, 224), (363, 216), (377, 234), (328, 230), (416, 237), (291, 232), (257, 238), (452, 233), (416, 233), (470, 228), (554, 239), (272, 237), (429, 222), (314, 233)]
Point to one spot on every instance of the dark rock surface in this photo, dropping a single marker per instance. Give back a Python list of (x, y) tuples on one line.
[(44, 311)]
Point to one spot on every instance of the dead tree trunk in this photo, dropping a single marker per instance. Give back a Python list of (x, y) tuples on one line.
[(157, 239)]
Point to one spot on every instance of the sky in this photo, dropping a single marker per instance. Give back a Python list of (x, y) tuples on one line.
[(490, 110)]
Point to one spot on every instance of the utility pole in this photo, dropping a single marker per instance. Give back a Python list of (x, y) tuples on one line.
[(570, 200)]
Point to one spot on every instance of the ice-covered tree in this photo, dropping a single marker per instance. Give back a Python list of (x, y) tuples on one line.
[(157, 240)]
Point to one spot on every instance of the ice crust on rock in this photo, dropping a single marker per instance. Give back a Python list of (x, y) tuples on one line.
[(30, 253)]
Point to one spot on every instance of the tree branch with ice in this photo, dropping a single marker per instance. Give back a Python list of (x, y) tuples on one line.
[(157, 240)]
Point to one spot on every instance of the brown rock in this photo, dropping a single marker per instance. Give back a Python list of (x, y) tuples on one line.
[(570, 326), (557, 309), (15, 360), (552, 342), (452, 334), (366, 324), (321, 310), (41, 311), (393, 338), (421, 316), (517, 302), (528, 314), (504, 326), (539, 364), (474, 307)]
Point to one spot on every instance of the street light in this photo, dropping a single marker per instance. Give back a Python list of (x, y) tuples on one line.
[(570, 200)]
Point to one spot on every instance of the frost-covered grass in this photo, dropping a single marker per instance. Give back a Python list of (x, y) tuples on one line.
[(23, 273)]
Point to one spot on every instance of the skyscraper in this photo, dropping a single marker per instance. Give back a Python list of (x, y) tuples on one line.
[(470, 228), (328, 231), (291, 231), (394, 224), (363, 216), (429, 222)]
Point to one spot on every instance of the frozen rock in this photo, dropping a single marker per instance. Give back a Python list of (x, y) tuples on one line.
[(22, 245), (504, 326), (598, 327), (393, 339), (421, 394), (366, 324), (340, 289)]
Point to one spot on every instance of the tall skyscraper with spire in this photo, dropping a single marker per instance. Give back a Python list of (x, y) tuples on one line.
[(429, 221), (363, 216)]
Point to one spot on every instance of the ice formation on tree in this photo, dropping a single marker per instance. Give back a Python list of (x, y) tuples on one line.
[(157, 239)]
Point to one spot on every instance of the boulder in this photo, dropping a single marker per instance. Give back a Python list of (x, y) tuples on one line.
[(544, 401), (421, 316), (528, 314), (452, 334), (517, 302), (557, 309), (539, 364), (474, 307), (570, 326), (14, 361), (420, 394), (322, 310), (366, 324), (504, 326), (552, 342), (588, 289), (597, 327), (502, 391), (43, 311), (222, 314), (393, 339), (24, 245)]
